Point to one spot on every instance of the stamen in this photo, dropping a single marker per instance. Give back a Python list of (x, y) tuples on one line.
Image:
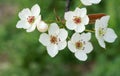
[(31, 19), (101, 31), (53, 39), (79, 45), (77, 20)]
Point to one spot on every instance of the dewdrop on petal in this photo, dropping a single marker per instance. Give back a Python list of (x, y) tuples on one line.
[(42, 26)]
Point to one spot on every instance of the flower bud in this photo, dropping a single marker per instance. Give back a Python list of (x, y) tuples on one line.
[(42, 26)]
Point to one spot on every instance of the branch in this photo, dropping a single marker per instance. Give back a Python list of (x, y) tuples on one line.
[(94, 17), (67, 5)]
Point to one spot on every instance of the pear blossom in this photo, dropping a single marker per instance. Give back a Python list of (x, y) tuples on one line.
[(80, 45), (103, 33), (29, 18), (76, 20), (55, 40), (90, 2), (42, 26)]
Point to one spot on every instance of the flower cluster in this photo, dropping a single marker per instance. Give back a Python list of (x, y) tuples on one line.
[(58, 38)]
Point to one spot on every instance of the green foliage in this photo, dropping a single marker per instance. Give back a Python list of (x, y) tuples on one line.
[(22, 55)]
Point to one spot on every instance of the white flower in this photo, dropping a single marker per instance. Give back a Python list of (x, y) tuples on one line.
[(90, 2), (42, 26), (29, 18), (103, 33), (80, 45), (55, 40), (76, 20)]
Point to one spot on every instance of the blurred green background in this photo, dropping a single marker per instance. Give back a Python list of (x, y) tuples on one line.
[(21, 54)]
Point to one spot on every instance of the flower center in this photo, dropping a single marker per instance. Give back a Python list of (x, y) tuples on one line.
[(31, 19), (79, 45), (101, 31), (77, 20), (53, 39)]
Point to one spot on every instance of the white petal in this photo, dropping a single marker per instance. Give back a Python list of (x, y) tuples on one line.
[(104, 21), (80, 28), (31, 29), (101, 42), (99, 38), (62, 45), (71, 46), (85, 36), (80, 12), (98, 24), (110, 35), (34, 25), (70, 25), (75, 37), (86, 2), (44, 39), (42, 26), (69, 15), (52, 50), (23, 15), (35, 10), (62, 34), (81, 56), (22, 24), (85, 20), (90, 2), (37, 19), (88, 47), (54, 29), (95, 1)]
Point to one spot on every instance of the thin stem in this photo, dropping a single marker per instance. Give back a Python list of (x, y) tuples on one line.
[(57, 17), (89, 30), (68, 38), (80, 5)]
